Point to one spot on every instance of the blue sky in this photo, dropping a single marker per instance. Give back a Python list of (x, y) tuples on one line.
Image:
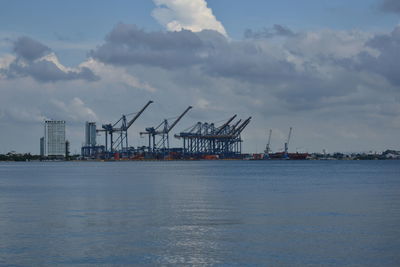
[(87, 22), (91, 20), (330, 69)]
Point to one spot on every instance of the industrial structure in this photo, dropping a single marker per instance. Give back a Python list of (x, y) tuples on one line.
[(116, 135), (267, 150), (206, 140), (161, 144), (285, 153), (53, 142), (201, 141)]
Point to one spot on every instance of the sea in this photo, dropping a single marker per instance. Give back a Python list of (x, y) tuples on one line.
[(200, 213)]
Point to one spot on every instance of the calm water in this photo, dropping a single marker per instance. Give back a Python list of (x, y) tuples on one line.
[(224, 213)]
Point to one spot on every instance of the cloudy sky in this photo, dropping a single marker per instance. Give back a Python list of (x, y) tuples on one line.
[(329, 69)]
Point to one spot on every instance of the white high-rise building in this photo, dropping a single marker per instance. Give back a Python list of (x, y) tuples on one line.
[(54, 138)]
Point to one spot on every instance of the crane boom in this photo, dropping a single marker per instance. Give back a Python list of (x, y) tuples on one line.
[(137, 115), (233, 128), (178, 119), (225, 124), (242, 126), (290, 133), (287, 141), (267, 149)]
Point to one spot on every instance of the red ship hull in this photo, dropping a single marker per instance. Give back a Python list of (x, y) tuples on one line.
[(291, 156)]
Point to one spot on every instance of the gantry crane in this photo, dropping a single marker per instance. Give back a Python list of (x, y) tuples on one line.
[(287, 144), (205, 139), (239, 130), (161, 130), (268, 148), (234, 138), (226, 124), (121, 142)]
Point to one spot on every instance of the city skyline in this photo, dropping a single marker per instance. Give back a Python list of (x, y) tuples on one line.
[(331, 71)]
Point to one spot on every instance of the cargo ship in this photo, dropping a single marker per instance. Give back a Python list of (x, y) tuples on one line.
[(285, 154)]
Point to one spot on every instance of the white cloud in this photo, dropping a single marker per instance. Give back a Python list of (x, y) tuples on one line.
[(337, 44), (114, 74), (203, 103), (316, 82), (33, 59), (5, 62), (76, 110), (51, 57), (21, 114), (192, 15)]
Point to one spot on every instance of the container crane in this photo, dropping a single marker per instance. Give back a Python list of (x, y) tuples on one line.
[(233, 137), (122, 140), (225, 124), (233, 127), (286, 155), (165, 128), (244, 124), (268, 148), (205, 139)]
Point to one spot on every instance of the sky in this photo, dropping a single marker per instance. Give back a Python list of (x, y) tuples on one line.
[(329, 69)]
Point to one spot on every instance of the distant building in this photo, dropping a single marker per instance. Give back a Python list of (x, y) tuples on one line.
[(67, 149), (42, 146), (90, 134), (90, 149), (54, 138)]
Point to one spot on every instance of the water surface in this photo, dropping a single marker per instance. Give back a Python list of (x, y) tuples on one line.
[(223, 213)]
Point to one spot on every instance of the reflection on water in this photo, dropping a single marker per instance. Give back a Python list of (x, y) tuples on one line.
[(200, 213)]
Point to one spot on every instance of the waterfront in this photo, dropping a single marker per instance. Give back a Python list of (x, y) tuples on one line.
[(200, 213)]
